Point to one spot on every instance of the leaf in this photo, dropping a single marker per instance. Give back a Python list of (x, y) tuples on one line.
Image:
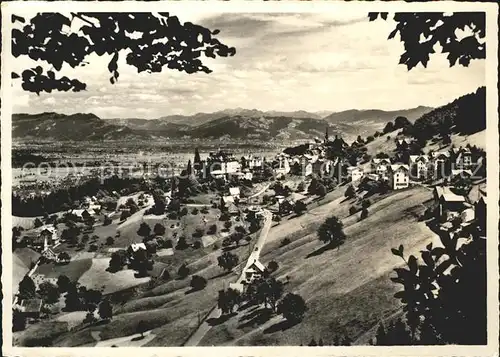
[(395, 252), (17, 18), (383, 15), (393, 33), (443, 266), (401, 249), (112, 66), (112, 80), (215, 32), (412, 264), (429, 246), (14, 75), (372, 16)]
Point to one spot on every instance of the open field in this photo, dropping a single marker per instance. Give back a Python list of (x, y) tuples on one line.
[(347, 290)]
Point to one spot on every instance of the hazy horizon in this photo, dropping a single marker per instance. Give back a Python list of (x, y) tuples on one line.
[(284, 62)]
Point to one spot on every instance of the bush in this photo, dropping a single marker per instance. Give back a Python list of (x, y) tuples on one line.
[(353, 210), (364, 213), (195, 211), (110, 241), (181, 244), (228, 224), (212, 229), (365, 203), (285, 241), (93, 248), (198, 282), (183, 271), (197, 245), (107, 221)]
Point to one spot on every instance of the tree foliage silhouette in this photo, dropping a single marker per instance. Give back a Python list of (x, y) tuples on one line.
[(438, 305), (437, 28), (148, 41)]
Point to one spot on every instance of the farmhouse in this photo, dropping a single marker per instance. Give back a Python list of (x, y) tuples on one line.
[(43, 238), (419, 166), (449, 203), (399, 176), (31, 308), (135, 247), (283, 166), (322, 167), (234, 192), (440, 158), (464, 158), (254, 271), (49, 254), (381, 166), (355, 173)]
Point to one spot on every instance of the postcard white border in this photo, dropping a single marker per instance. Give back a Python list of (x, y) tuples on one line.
[(492, 144)]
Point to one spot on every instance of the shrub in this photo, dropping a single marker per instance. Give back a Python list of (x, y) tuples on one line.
[(197, 245), (353, 210), (212, 229), (183, 271), (285, 241), (195, 211), (364, 213), (198, 282)]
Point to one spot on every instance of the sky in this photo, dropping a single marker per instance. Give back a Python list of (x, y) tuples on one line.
[(285, 62)]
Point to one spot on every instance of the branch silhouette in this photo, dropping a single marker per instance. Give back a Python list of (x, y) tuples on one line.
[(150, 42)]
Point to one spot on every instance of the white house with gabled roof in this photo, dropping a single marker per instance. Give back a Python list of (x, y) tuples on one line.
[(399, 176)]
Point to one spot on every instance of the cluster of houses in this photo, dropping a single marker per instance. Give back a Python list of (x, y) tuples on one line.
[(418, 168)]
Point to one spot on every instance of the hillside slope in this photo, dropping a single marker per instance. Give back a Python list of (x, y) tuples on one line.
[(347, 290)]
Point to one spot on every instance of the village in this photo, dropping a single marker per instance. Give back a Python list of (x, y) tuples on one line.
[(213, 205)]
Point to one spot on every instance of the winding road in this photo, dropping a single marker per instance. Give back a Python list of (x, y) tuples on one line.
[(204, 327)]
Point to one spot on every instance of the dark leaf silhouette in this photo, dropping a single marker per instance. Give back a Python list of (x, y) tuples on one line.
[(159, 41), (422, 32)]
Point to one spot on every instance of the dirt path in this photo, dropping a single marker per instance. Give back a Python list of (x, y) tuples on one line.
[(204, 327)]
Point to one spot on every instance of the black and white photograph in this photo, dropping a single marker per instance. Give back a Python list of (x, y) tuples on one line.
[(306, 174)]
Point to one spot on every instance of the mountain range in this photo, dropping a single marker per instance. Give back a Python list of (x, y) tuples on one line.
[(237, 124)]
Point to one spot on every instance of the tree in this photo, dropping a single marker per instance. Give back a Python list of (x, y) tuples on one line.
[(227, 261), (18, 321), (124, 215), (401, 122), (438, 28), (198, 282), (236, 237), (292, 307), (159, 229), (197, 158), (63, 257), (117, 261), (269, 291), (350, 192), (111, 34), (105, 310), (183, 271), (228, 224), (331, 231), (110, 241), (141, 328), (272, 266), (364, 213), (433, 313), (144, 230), (227, 299), (299, 208), (89, 318), (27, 288), (321, 190), (181, 244), (63, 283), (38, 223), (72, 298), (388, 127), (49, 292)]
